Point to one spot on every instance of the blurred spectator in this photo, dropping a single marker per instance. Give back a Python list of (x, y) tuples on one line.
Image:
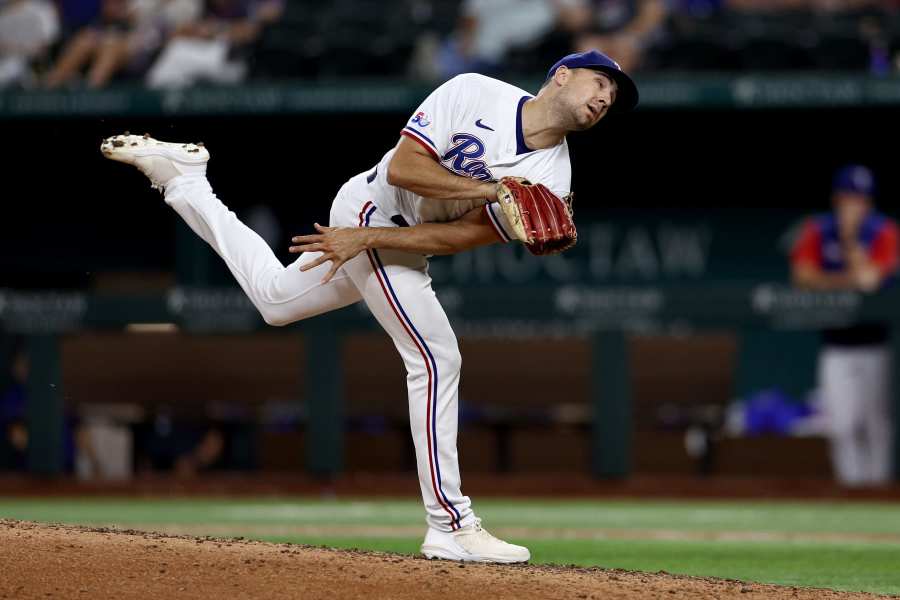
[(210, 49), (14, 434), (14, 421), (778, 35), (488, 30), (621, 28), (104, 44), (13, 428), (112, 38), (853, 248), (27, 30), (124, 37), (185, 446)]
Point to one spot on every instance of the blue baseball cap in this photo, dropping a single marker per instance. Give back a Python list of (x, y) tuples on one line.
[(627, 94), (854, 178)]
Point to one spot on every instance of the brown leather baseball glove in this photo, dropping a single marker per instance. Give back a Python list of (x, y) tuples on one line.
[(539, 218)]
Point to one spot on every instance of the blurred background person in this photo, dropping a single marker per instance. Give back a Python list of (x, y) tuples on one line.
[(123, 38), (623, 28), (176, 443), (101, 47), (28, 28), (853, 248), (212, 49), (493, 36), (14, 433), (13, 428), (488, 29)]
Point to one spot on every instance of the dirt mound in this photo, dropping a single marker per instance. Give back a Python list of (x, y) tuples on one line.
[(56, 561)]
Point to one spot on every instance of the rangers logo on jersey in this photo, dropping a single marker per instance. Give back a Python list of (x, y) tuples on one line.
[(464, 157), (421, 119)]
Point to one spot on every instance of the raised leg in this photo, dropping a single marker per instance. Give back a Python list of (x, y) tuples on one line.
[(281, 294)]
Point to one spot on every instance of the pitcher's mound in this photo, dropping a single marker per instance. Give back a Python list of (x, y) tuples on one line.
[(56, 561)]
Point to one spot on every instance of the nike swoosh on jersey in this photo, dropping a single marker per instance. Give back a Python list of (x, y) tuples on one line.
[(478, 123)]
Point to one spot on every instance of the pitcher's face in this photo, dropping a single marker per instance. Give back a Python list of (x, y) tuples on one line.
[(587, 95)]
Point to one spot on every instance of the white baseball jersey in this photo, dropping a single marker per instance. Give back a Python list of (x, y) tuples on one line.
[(472, 125)]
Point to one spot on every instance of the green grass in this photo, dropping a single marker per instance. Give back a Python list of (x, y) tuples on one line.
[(858, 565), (850, 568)]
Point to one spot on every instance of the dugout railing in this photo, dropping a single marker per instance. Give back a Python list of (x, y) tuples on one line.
[(601, 315)]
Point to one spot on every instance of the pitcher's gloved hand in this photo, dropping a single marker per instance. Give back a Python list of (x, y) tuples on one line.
[(539, 218)]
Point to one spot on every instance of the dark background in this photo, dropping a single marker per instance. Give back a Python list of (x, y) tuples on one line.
[(69, 213)]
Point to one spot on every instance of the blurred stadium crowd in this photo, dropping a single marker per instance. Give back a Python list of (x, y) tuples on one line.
[(176, 43)]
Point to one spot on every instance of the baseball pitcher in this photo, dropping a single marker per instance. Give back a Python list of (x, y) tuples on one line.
[(479, 162)]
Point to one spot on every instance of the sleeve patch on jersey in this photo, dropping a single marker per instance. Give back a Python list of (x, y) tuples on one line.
[(421, 119)]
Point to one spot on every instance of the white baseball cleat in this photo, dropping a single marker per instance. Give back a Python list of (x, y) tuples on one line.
[(472, 543), (159, 161)]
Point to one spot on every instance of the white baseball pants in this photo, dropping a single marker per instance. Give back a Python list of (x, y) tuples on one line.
[(397, 289), (855, 386)]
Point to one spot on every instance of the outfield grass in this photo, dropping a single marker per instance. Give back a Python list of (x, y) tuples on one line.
[(774, 542)]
